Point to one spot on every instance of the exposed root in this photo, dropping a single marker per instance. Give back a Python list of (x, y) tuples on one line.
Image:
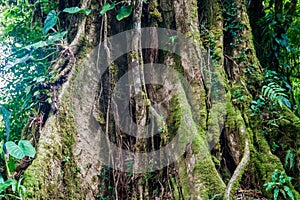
[(239, 170)]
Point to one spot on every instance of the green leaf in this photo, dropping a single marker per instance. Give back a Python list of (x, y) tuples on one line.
[(74, 10), (21, 60), (286, 102), (87, 12), (6, 116), (56, 37), (1, 147), (284, 36), (269, 185), (124, 12), (36, 45), (6, 184), (274, 175), (27, 148), (23, 189), (1, 179), (281, 176), (289, 158), (12, 165), (50, 21), (276, 192), (107, 7), (14, 150), (289, 192), (285, 180), (13, 187)]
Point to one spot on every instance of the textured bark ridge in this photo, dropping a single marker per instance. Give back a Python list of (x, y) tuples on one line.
[(227, 141)]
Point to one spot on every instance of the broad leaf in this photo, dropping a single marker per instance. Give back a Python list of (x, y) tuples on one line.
[(27, 148), (20, 60), (124, 12), (56, 37), (12, 164), (50, 21), (14, 150), (107, 7), (6, 184), (74, 10), (87, 12), (36, 45)]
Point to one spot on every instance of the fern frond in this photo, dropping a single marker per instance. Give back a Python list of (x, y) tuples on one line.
[(289, 159), (275, 93)]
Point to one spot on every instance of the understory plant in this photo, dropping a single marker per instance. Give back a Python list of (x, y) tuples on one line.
[(279, 185)]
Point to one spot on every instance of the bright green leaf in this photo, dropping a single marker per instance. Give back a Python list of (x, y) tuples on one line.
[(289, 192), (107, 7), (12, 164), (281, 176), (14, 150), (74, 10), (50, 21), (276, 192), (27, 148), (124, 12), (285, 180), (6, 184), (274, 175), (269, 185), (87, 12)]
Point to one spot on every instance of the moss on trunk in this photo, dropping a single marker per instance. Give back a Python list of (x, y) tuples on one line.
[(67, 162)]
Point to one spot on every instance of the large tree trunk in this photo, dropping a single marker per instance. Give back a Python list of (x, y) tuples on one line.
[(228, 150)]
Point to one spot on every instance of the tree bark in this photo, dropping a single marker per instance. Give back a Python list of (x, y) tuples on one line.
[(67, 165)]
